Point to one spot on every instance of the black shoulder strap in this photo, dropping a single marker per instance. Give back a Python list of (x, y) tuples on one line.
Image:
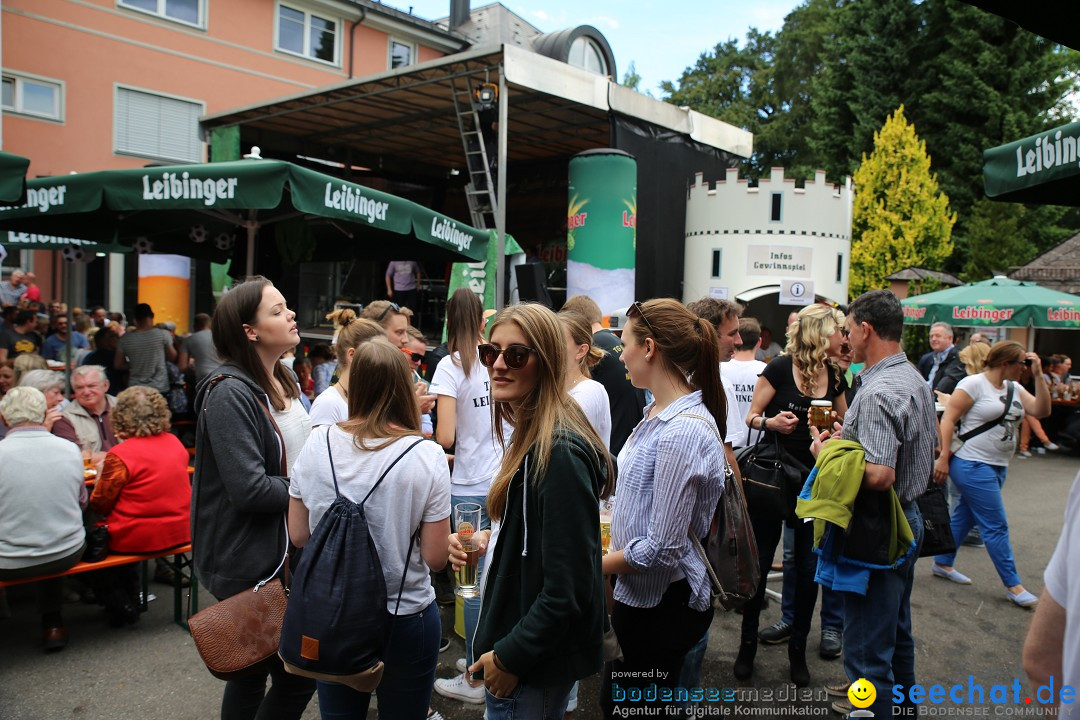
[(987, 426), (387, 471)]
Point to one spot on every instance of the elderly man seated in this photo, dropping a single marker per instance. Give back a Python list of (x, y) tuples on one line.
[(41, 496), (86, 421)]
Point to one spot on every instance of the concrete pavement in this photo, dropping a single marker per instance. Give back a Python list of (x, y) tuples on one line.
[(151, 670)]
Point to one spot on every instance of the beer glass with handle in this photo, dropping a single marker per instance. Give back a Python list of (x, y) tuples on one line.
[(467, 524)]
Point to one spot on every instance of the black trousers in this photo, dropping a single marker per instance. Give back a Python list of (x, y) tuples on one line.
[(654, 642), (768, 530)]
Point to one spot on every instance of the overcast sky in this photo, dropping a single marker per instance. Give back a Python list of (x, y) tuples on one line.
[(661, 38)]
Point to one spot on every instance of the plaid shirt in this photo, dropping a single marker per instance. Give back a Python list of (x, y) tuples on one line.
[(893, 418)]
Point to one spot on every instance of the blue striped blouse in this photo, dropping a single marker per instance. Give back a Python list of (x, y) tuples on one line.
[(671, 476)]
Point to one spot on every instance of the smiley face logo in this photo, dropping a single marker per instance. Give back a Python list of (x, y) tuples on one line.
[(862, 693)]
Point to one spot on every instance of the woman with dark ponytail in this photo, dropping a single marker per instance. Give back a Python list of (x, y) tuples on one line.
[(671, 476)]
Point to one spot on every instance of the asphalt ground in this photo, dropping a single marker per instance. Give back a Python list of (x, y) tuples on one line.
[(151, 670)]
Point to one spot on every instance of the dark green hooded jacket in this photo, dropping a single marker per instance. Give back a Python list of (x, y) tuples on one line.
[(543, 606)]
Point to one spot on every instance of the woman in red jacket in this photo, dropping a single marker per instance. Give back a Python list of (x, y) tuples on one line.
[(144, 494)]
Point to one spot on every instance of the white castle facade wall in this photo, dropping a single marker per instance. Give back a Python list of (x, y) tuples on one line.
[(739, 238)]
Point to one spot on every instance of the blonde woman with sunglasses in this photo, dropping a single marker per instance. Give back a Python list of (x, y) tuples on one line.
[(542, 618)]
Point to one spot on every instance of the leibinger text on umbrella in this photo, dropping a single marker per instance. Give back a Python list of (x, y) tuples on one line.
[(173, 186), (1062, 315), (1047, 153), (447, 231), (972, 312), (41, 198), (353, 201)]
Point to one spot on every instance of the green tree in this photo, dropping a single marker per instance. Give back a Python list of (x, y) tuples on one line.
[(867, 64), (996, 229), (632, 79), (899, 215)]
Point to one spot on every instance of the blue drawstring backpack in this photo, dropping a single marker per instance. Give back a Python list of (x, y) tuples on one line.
[(336, 625)]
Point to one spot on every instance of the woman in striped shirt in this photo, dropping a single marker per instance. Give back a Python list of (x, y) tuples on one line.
[(671, 476)]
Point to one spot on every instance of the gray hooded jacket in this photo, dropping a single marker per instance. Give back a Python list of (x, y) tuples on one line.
[(238, 497)]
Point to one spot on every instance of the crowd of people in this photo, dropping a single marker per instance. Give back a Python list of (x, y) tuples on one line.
[(539, 418)]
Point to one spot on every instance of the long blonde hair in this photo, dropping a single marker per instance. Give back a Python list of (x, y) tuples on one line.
[(547, 414), (580, 330), (808, 343)]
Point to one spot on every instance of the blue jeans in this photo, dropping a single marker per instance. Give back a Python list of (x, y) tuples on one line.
[(405, 690), (980, 504), (529, 703), (878, 640), (832, 602), (472, 605)]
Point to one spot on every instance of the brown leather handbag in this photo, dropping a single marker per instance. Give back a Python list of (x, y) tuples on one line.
[(235, 636)]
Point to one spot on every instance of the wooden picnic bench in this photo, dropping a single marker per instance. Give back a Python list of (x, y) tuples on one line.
[(177, 558)]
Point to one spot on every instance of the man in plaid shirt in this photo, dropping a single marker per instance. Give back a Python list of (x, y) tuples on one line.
[(892, 417)]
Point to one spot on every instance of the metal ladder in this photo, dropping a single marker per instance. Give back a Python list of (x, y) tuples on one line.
[(480, 190)]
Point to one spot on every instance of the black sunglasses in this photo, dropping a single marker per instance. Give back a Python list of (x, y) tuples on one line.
[(416, 357), (636, 311), (392, 306), (516, 356)]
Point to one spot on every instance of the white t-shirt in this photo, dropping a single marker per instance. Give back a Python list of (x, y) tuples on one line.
[(743, 375), (329, 408), (477, 454), (593, 399), (1064, 587), (416, 490), (996, 445), (733, 432), (295, 426)]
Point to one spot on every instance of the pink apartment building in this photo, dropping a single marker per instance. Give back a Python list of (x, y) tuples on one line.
[(103, 84)]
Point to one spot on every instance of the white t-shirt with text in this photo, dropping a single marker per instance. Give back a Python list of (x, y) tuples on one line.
[(593, 399), (996, 445), (477, 454), (743, 375), (733, 433), (416, 490)]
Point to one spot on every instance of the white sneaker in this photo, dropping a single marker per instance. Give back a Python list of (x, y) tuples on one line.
[(1040, 451), (1052, 447), (1024, 453), (458, 689), (461, 665)]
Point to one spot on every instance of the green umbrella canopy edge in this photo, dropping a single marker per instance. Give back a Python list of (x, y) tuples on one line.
[(997, 302)]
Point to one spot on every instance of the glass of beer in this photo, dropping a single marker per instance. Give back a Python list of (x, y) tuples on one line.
[(89, 471), (820, 415), (467, 524), (605, 526)]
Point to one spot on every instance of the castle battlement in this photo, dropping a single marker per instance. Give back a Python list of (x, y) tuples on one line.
[(735, 232)]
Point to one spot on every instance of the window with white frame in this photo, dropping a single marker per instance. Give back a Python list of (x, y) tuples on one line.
[(401, 54), (304, 33), (190, 12), (157, 126), (33, 96)]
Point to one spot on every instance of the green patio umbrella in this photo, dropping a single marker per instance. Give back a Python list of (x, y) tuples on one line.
[(1042, 169), (12, 177), (202, 210), (997, 302)]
